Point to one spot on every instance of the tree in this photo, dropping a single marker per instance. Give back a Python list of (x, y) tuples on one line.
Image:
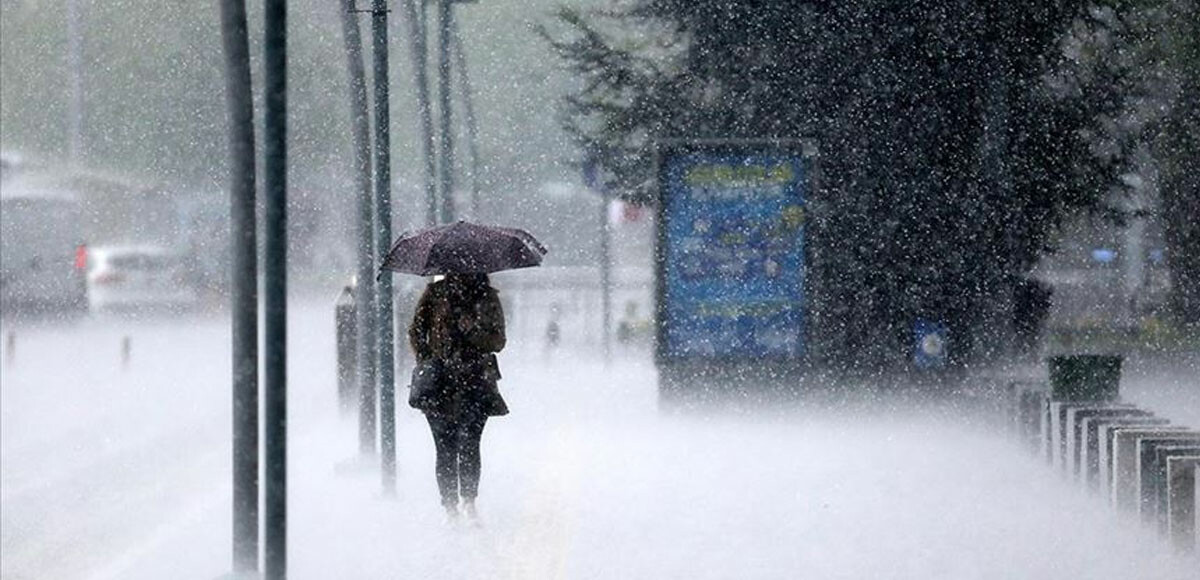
[(1145, 56), (1177, 147), (947, 160)]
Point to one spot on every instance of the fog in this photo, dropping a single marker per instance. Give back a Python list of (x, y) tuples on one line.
[(113, 471)]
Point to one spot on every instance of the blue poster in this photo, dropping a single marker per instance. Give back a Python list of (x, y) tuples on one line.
[(733, 251)]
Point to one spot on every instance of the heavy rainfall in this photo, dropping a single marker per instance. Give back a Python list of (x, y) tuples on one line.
[(783, 289)]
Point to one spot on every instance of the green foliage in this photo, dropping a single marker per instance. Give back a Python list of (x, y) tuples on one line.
[(1178, 148), (1155, 44)]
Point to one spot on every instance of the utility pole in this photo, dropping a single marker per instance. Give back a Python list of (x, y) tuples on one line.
[(445, 15), (275, 287), (383, 240), (593, 181), (460, 60), (364, 294), (418, 42), (244, 280), (75, 64)]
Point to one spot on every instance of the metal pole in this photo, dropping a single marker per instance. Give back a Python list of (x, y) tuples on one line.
[(364, 295), (464, 79), (605, 280), (75, 64), (418, 42), (275, 288), (383, 240), (446, 165), (244, 281)]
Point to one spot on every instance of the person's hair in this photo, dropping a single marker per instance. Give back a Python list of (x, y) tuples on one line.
[(433, 310), (468, 286), (468, 279)]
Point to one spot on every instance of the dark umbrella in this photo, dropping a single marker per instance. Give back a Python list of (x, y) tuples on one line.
[(463, 248)]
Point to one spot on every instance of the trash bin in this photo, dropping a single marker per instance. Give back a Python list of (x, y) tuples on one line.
[(1085, 377)]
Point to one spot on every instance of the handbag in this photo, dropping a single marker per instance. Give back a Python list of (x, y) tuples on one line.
[(427, 381)]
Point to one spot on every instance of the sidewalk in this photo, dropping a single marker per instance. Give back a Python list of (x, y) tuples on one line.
[(586, 480)]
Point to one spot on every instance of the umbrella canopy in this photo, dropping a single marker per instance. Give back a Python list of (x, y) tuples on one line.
[(463, 248)]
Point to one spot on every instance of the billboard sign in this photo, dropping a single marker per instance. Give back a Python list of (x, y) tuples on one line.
[(731, 252)]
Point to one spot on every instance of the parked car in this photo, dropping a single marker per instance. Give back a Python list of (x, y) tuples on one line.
[(42, 256), (138, 278)]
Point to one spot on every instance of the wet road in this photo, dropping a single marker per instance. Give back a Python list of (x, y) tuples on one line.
[(122, 472)]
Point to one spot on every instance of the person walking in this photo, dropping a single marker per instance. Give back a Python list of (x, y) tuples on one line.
[(456, 331)]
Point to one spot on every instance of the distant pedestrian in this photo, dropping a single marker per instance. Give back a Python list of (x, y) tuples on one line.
[(457, 328), (553, 330)]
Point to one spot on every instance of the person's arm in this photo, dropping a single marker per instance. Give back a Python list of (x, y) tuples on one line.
[(418, 331)]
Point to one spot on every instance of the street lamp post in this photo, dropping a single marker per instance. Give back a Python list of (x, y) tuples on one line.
[(383, 239), (244, 284), (445, 14), (420, 53), (275, 289)]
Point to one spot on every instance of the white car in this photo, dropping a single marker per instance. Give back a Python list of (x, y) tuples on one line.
[(137, 278)]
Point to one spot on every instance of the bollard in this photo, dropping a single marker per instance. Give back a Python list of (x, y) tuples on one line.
[(1085, 377), (1147, 465), (346, 330), (1075, 430), (1062, 419), (1096, 436), (1183, 519), (126, 351), (1161, 478), (1126, 458), (1108, 439)]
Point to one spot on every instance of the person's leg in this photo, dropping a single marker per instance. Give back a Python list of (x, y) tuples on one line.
[(445, 442), (470, 432)]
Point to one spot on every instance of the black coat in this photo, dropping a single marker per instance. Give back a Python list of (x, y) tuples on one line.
[(461, 328)]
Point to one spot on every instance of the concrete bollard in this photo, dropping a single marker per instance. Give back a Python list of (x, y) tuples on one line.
[(1127, 460), (1152, 473), (1072, 422), (346, 336), (1108, 451), (1140, 463), (1061, 414), (1096, 433), (1183, 498)]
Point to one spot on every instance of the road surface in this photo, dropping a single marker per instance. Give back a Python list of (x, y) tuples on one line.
[(113, 471)]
